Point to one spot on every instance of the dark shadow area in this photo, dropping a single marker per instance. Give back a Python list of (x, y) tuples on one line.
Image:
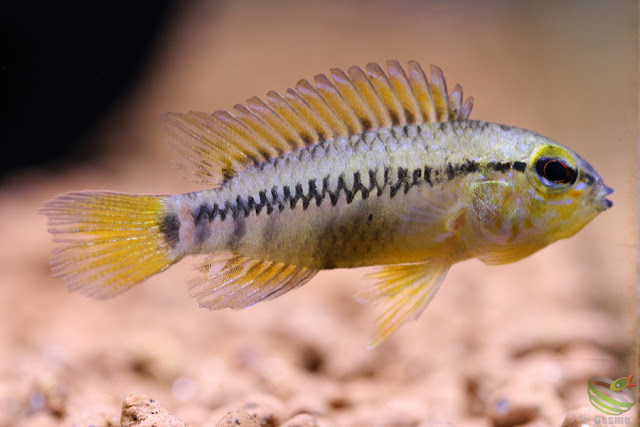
[(63, 66)]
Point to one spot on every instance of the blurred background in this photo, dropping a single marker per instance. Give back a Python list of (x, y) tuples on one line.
[(82, 88)]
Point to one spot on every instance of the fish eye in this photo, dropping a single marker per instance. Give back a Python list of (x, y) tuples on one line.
[(555, 171), (553, 168)]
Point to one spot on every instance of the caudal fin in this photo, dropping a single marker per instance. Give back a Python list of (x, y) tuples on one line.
[(108, 242)]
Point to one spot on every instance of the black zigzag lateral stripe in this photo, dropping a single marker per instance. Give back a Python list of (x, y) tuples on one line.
[(318, 190)]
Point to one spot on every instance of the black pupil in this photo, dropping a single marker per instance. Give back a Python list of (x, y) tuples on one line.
[(555, 171)]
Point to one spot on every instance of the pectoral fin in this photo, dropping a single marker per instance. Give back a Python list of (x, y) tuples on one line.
[(494, 205), (436, 212), (496, 208), (402, 291)]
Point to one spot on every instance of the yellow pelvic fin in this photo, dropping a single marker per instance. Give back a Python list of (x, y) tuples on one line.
[(108, 242), (402, 292), (243, 282), (216, 146)]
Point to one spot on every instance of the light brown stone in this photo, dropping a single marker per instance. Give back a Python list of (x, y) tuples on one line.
[(140, 410), (237, 418)]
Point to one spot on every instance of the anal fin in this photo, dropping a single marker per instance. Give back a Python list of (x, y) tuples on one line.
[(243, 282), (402, 292)]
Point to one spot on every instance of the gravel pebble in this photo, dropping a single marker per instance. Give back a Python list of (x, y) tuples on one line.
[(266, 410), (237, 418), (142, 411)]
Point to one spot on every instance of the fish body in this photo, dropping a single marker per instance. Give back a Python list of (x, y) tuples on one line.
[(370, 169), (349, 202)]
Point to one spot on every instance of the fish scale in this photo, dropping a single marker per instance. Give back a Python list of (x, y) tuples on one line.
[(368, 168)]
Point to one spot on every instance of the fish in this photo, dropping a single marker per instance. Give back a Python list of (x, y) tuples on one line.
[(362, 168), (622, 383)]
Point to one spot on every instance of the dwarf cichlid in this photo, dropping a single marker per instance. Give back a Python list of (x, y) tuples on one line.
[(367, 168)]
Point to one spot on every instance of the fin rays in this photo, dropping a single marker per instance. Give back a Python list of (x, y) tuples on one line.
[(243, 282), (107, 242), (216, 146), (402, 292)]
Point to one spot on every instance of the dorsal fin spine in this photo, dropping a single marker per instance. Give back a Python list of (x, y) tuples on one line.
[(240, 155), (370, 96), (439, 94), (279, 131), (467, 106), (385, 92), (422, 92), (353, 98), (302, 127), (400, 85), (245, 134), (261, 128), (300, 106), (233, 141), (313, 98), (332, 96), (455, 102), (288, 136)]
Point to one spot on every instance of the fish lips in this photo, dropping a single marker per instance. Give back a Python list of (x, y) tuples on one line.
[(606, 203)]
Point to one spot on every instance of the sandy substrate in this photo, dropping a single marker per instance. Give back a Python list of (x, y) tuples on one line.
[(503, 346)]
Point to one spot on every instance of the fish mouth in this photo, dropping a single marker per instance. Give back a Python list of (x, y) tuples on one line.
[(606, 203)]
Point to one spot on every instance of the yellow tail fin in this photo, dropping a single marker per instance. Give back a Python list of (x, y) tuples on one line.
[(108, 242)]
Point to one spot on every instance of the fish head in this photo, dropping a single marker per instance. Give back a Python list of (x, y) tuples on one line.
[(565, 191), (553, 197)]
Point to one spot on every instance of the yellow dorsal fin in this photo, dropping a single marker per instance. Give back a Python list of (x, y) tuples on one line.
[(422, 92), (379, 81), (217, 146), (402, 89), (332, 97), (439, 94), (370, 97), (350, 94)]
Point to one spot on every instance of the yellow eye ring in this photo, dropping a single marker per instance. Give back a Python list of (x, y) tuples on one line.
[(553, 168)]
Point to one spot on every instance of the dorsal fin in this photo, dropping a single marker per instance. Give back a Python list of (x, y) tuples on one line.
[(217, 146)]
